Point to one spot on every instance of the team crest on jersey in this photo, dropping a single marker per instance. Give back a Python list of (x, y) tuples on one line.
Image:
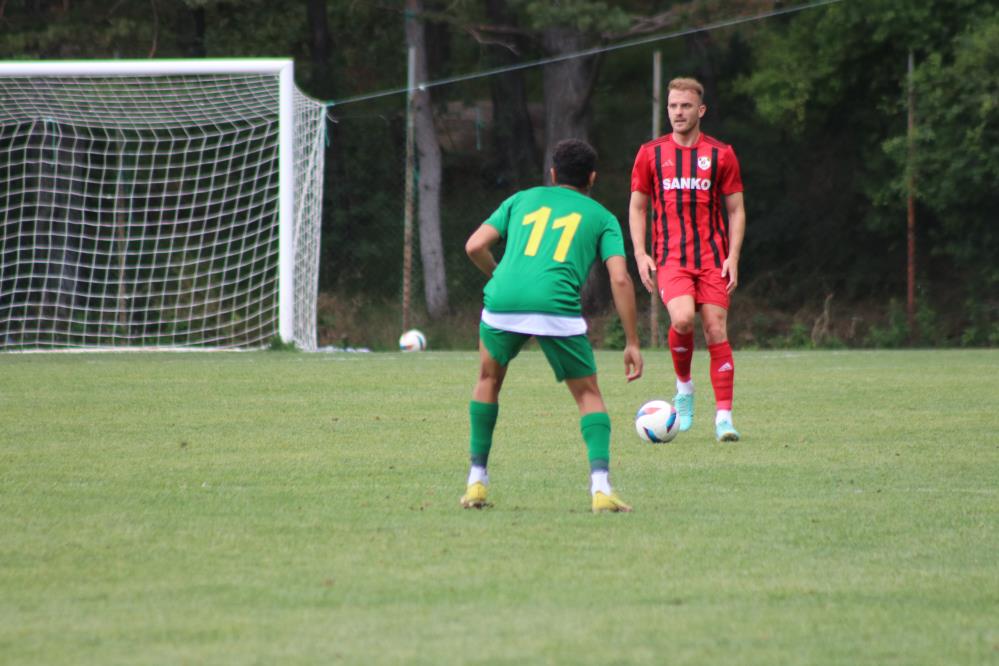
[(703, 163)]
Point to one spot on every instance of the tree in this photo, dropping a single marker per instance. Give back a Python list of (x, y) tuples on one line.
[(516, 155), (958, 147), (828, 80), (429, 156), (957, 166), (320, 45), (562, 29)]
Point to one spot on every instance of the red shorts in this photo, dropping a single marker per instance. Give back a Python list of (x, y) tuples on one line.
[(706, 285)]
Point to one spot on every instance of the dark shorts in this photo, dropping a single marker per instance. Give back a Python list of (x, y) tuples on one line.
[(570, 357), (706, 285)]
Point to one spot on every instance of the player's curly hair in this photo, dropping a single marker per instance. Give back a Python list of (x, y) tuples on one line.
[(574, 160)]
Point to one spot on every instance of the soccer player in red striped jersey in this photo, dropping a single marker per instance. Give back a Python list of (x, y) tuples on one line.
[(690, 176)]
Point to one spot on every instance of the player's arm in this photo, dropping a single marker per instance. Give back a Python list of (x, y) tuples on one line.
[(479, 248), (637, 214), (736, 232), (623, 292)]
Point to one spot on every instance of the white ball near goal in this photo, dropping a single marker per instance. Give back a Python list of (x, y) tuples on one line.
[(657, 422), (412, 340)]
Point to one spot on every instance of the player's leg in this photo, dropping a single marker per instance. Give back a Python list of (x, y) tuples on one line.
[(496, 350), (482, 411), (681, 346), (595, 426), (594, 423), (714, 319), (572, 361)]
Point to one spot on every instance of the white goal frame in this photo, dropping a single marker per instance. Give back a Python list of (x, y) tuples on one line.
[(283, 69)]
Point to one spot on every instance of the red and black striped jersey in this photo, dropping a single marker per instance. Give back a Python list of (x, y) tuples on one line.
[(686, 185)]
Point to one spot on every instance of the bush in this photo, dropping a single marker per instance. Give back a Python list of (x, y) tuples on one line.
[(894, 334), (279, 345), (799, 337), (614, 337), (982, 321)]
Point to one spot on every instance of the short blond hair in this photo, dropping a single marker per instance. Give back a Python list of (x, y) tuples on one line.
[(687, 83)]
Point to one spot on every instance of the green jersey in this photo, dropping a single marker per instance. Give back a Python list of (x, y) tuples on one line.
[(553, 235)]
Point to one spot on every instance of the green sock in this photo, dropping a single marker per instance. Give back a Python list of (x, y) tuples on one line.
[(596, 429), (483, 418)]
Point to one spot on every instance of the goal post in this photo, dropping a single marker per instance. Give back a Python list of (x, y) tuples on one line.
[(158, 203)]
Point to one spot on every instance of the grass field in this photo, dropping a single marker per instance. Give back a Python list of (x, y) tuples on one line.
[(285, 508)]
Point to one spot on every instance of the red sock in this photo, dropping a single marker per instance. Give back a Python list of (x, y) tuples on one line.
[(681, 346), (722, 373)]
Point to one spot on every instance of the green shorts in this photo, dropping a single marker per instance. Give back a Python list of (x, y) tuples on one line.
[(570, 357)]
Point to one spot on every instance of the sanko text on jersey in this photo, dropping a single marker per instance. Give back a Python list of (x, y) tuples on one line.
[(686, 184)]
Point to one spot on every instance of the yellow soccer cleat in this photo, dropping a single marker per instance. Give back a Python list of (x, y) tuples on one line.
[(475, 496), (609, 503)]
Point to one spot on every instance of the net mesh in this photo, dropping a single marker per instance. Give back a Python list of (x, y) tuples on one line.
[(144, 211)]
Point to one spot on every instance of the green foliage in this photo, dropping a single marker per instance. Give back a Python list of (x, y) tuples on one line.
[(828, 81), (831, 342), (588, 16), (79, 29), (928, 326), (614, 337), (982, 329), (785, 83), (279, 345), (759, 327), (957, 151), (972, 323), (799, 337), (814, 104), (850, 51), (894, 334)]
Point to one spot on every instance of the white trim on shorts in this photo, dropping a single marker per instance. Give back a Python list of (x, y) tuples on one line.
[(535, 323)]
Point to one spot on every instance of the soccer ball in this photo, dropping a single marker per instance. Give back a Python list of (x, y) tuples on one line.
[(412, 340), (657, 422)]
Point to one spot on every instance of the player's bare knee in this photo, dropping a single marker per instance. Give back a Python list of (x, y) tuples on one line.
[(590, 401), (715, 333), (683, 325), (491, 376)]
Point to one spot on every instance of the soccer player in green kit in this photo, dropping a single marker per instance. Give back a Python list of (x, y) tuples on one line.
[(553, 235)]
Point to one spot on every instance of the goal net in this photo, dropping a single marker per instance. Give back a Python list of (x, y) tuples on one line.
[(164, 204)]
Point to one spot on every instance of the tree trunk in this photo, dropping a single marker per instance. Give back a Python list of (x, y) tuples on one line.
[(197, 48), (319, 48), (428, 152), (516, 152), (699, 45), (568, 85)]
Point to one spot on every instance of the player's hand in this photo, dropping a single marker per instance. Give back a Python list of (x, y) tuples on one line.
[(731, 269), (633, 363), (647, 271)]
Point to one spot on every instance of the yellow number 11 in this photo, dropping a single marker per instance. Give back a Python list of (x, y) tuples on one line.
[(539, 220)]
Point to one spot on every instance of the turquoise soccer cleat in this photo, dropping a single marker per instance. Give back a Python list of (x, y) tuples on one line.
[(725, 432), (683, 403)]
